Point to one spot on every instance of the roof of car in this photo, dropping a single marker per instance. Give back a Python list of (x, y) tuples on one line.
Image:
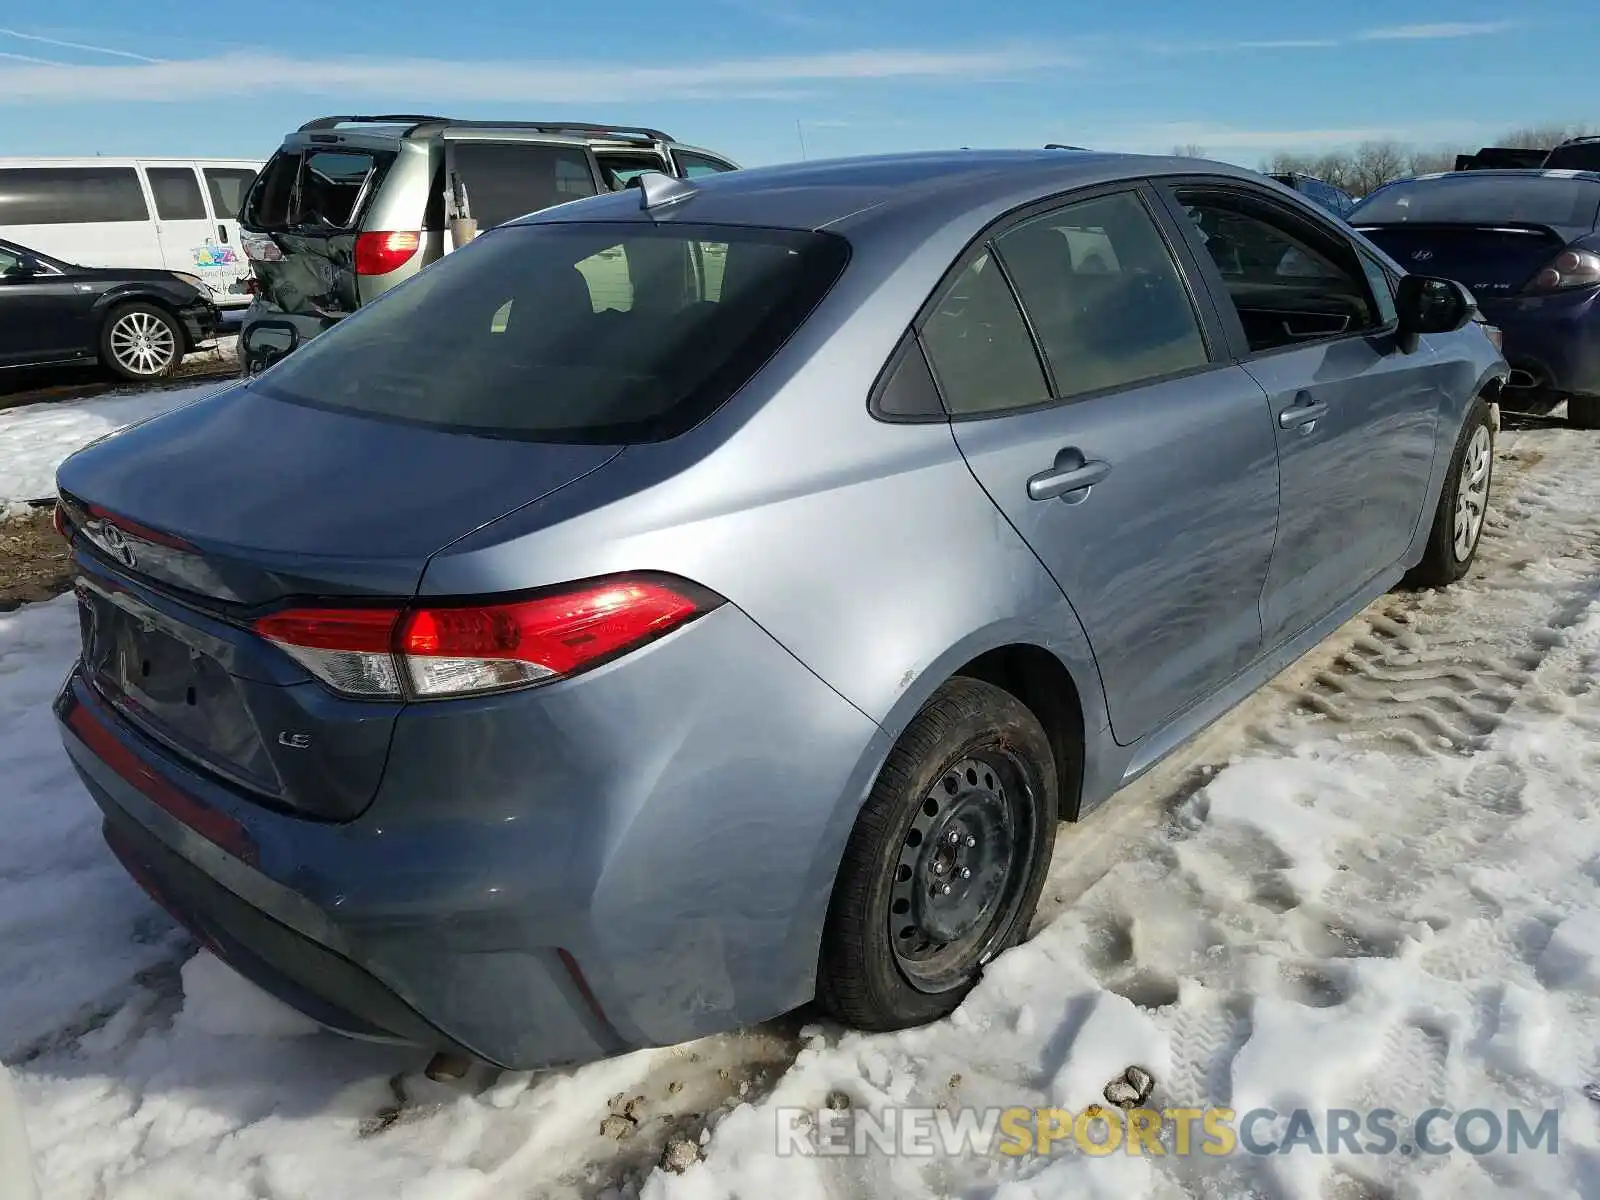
[(1504, 173), (845, 193)]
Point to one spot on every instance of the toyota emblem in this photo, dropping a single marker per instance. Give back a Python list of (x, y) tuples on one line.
[(117, 546)]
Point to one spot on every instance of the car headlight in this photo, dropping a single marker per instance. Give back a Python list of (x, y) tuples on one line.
[(193, 281)]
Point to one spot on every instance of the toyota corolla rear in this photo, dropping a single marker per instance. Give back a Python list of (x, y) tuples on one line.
[(1525, 242), (460, 819)]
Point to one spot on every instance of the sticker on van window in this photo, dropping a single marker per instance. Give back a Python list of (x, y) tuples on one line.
[(212, 255)]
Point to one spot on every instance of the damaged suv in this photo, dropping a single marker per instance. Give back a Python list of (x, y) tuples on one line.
[(349, 206)]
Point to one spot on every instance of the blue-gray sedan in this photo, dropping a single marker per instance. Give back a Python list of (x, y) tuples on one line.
[(688, 602)]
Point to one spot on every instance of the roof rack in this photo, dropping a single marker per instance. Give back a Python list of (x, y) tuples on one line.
[(629, 133), (1063, 146)]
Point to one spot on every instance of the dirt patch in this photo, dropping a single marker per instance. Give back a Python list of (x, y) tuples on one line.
[(33, 560)]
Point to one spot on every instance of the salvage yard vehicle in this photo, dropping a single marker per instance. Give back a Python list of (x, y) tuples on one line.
[(531, 672), (350, 206), (177, 213), (1527, 244), (137, 323)]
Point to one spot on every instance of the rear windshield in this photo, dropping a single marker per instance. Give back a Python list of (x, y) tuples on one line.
[(1483, 200), (1580, 156), (313, 187), (580, 332)]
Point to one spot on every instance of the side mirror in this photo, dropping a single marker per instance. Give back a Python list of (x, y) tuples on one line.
[(265, 342), (1429, 305)]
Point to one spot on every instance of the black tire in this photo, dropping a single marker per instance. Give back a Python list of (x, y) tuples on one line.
[(1583, 412), (1535, 402), (165, 339), (1443, 563), (864, 981)]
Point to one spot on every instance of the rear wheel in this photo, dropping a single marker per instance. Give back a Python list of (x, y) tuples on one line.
[(1583, 412), (944, 866), (1463, 504), (141, 341)]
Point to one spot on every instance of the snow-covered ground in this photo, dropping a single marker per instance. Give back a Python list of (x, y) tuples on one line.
[(1376, 885), (36, 437)]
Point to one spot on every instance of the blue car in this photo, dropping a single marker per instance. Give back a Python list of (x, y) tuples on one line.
[(684, 603), (1527, 243)]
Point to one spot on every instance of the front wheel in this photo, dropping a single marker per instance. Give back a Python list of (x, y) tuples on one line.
[(141, 342), (1463, 504), (944, 866)]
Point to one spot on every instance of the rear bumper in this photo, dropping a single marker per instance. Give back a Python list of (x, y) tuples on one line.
[(638, 857), (1552, 342)]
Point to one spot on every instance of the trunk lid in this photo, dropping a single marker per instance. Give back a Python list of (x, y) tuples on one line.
[(188, 525), (1491, 259)]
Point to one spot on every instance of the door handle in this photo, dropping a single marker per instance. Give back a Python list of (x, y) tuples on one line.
[(222, 232), (1072, 473), (1302, 412)]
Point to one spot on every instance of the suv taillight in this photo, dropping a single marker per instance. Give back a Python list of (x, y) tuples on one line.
[(438, 650), (1568, 269), (380, 253)]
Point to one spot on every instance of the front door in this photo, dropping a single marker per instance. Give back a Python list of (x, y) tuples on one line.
[(184, 227), (1139, 464), (1314, 323), (226, 188)]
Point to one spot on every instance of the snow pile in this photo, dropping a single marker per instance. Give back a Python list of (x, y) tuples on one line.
[(36, 437), (1376, 885)]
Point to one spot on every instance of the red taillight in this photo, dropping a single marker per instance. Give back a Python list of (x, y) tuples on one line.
[(461, 649), (380, 253), (1568, 269)]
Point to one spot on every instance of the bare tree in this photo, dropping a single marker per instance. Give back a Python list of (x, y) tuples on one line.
[(1544, 137), (1189, 150), (1375, 164), (1428, 162)]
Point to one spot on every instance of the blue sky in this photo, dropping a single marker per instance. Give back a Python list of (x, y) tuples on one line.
[(754, 77)]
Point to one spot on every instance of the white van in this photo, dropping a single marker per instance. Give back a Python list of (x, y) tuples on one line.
[(180, 214)]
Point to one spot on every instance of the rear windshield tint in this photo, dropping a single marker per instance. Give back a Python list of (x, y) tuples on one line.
[(580, 332), (1579, 156), (1483, 200), (316, 188)]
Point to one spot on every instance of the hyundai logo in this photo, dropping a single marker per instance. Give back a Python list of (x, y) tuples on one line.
[(1422, 256), (117, 546)]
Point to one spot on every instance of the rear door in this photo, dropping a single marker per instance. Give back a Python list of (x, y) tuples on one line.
[(44, 317), (1312, 319), (183, 222), (495, 177), (301, 218), (227, 184), (1136, 460)]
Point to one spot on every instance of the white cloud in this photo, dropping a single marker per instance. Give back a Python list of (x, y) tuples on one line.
[(439, 79), (1435, 32)]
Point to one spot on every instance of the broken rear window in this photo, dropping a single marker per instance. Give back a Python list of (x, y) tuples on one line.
[(314, 187)]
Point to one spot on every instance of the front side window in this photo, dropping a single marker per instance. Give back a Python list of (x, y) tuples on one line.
[(1106, 299), (70, 195), (228, 186), (9, 262), (594, 332), (177, 193), (1290, 281), (978, 345), (693, 166)]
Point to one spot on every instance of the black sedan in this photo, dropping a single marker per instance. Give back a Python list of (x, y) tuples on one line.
[(139, 323)]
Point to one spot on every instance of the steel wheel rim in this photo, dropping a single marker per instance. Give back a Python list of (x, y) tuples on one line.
[(1472, 492), (143, 343), (961, 873)]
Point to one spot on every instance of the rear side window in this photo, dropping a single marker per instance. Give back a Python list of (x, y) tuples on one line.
[(507, 180), (70, 195), (177, 193), (584, 332), (314, 188), (1105, 326), (978, 345), (695, 165), (228, 186)]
